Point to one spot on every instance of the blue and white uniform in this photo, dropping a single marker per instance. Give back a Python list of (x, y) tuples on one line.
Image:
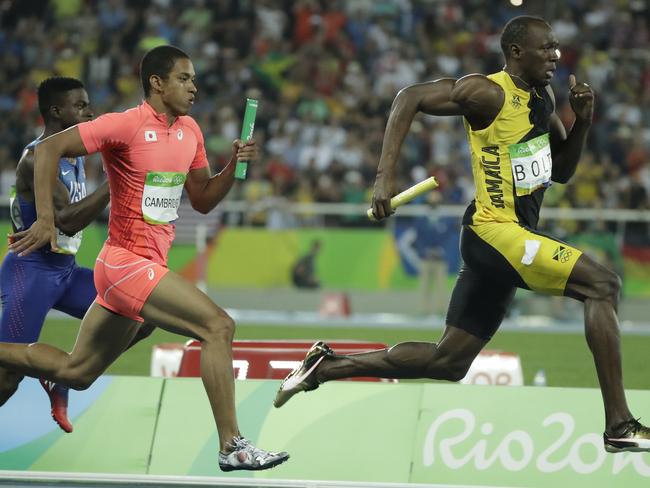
[(44, 280)]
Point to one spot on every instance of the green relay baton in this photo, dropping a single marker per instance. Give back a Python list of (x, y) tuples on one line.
[(246, 135)]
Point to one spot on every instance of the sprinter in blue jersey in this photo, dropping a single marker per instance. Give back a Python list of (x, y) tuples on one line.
[(50, 278)]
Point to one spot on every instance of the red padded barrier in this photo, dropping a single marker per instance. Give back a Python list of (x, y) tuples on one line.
[(270, 359)]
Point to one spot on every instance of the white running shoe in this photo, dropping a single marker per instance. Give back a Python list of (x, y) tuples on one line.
[(248, 457)]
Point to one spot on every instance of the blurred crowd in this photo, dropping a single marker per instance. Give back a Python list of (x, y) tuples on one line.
[(325, 73)]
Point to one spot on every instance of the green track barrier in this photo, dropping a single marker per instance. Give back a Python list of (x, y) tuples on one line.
[(358, 432)]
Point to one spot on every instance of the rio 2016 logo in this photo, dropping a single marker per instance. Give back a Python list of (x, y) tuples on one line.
[(517, 450)]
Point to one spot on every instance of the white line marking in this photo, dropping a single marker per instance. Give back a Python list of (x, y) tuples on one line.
[(125, 278), (122, 266)]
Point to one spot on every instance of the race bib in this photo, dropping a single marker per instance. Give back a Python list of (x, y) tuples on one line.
[(531, 164), (162, 197), (65, 244), (68, 244)]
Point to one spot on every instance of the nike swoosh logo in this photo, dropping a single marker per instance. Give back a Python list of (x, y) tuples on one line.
[(293, 381), (627, 441), (65, 172)]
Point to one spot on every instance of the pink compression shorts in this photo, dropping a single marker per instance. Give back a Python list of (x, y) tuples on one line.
[(125, 280)]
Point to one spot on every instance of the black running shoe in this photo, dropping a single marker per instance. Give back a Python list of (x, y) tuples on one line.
[(635, 438), (301, 378)]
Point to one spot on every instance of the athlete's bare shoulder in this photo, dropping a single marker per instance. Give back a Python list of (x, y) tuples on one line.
[(480, 97), (477, 80), (27, 157), (25, 174), (26, 162)]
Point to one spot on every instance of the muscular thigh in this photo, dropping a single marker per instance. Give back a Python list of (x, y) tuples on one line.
[(103, 336), (78, 292), (29, 290), (531, 259), (484, 289), (178, 306), (478, 303)]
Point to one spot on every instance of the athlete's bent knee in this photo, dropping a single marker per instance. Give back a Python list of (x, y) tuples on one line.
[(144, 331), (8, 387), (76, 379), (457, 372), (449, 369), (607, 286), (424, 360), (221, 328), (81, 383)]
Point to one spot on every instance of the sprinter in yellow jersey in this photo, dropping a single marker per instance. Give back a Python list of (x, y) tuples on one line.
[(518, 147)]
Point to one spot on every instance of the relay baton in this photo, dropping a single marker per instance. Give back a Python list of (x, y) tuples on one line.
[(409, 194), (246, 135)]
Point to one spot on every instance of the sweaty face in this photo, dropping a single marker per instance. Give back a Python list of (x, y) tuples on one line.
[(178, 89), (75, 108), (540, 54)]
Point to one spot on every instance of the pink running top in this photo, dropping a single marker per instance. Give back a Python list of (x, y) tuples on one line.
[(146, 162)]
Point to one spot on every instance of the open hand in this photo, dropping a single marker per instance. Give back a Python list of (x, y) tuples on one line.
[(581, 98), (39, 234)]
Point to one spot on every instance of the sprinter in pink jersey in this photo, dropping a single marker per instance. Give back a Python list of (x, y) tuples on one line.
[(151, 153)]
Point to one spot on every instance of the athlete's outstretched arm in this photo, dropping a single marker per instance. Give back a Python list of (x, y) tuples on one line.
[(475, 97), (46, 162), (205, 191), (566, 149), (70, 218)]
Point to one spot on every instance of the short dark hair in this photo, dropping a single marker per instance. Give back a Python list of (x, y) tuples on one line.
[(516, 31), (51, 90), (159, 61)]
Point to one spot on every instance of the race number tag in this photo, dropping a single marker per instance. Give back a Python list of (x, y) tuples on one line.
[(531, 164), (162, 197), (65, 244)]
